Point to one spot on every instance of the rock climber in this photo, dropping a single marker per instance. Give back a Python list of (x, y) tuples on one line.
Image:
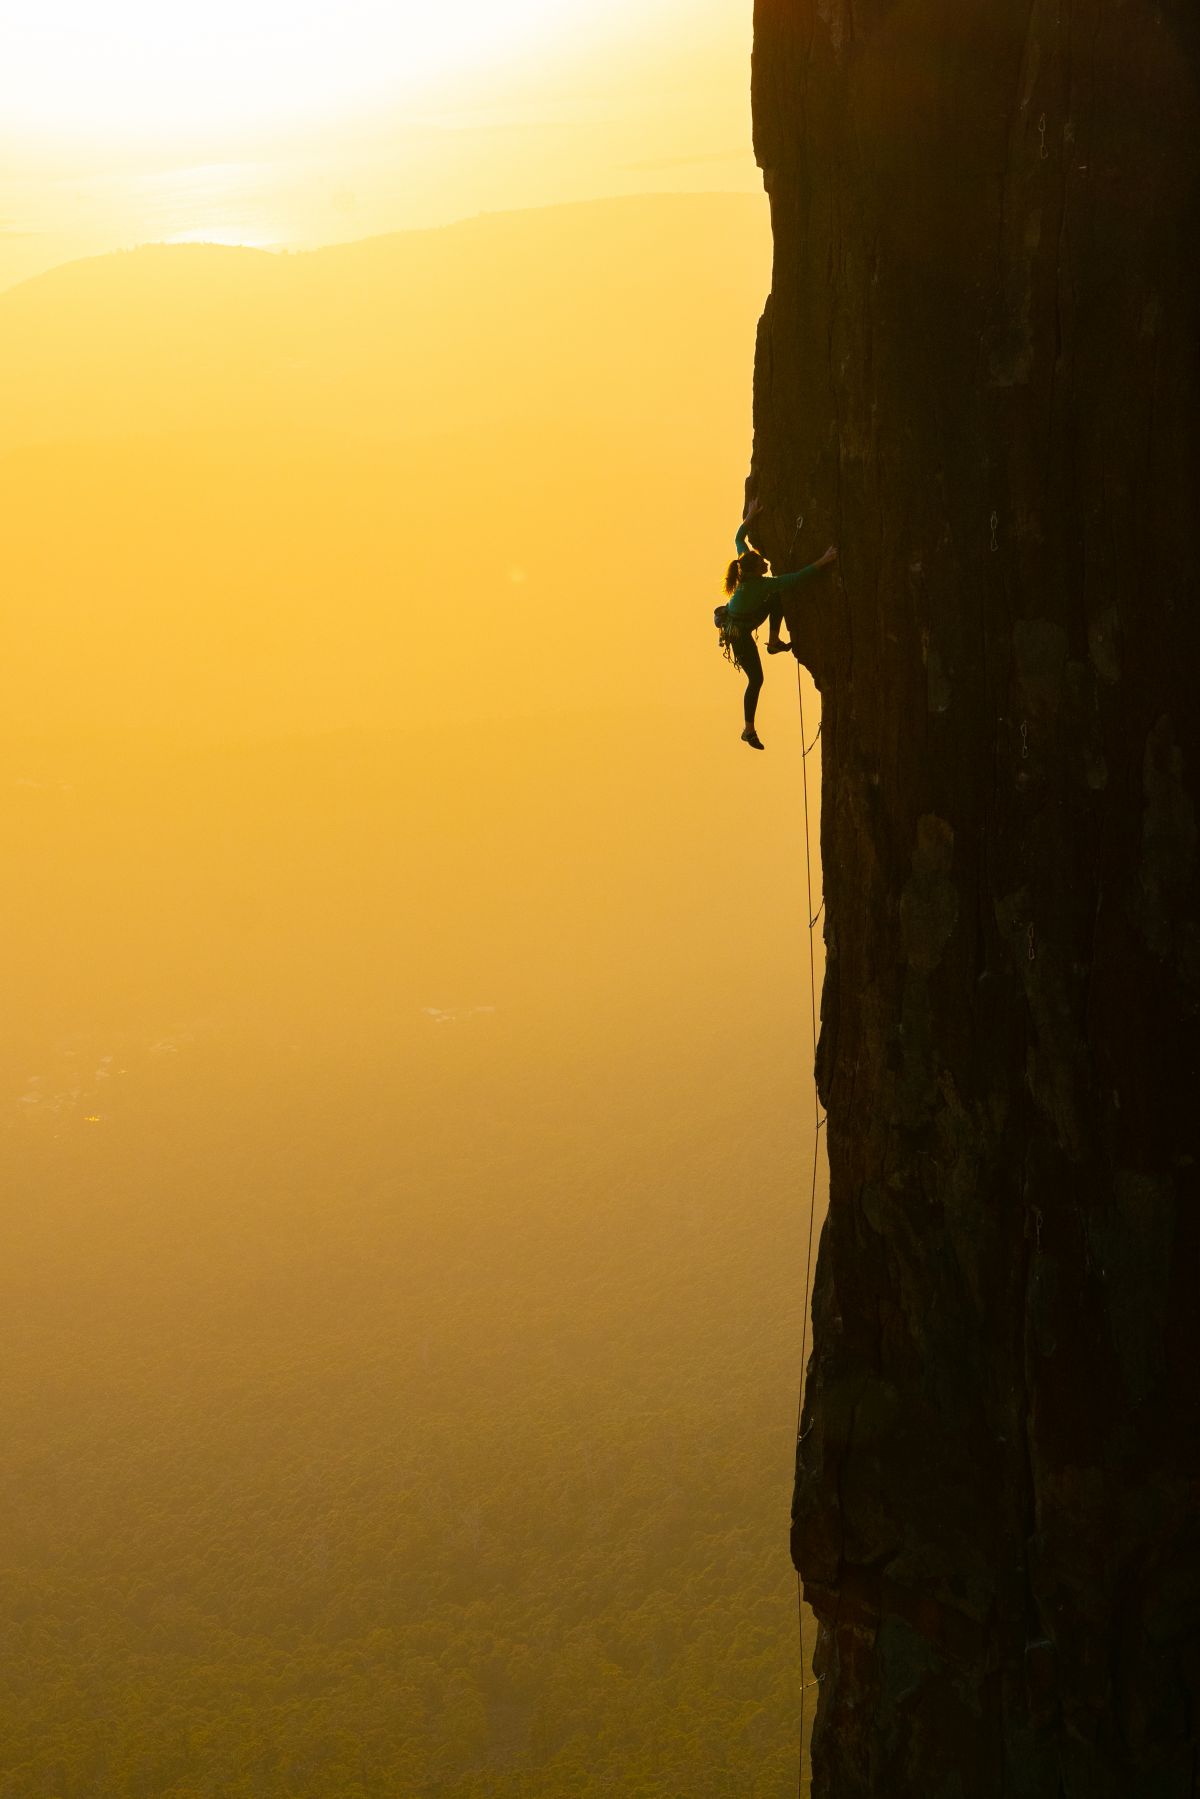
[(756, 596)]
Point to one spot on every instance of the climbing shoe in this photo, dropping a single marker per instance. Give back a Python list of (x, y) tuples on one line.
[(750, 736), (777, 649)]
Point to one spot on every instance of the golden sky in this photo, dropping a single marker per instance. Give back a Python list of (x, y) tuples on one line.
[(380, 1046), (292, 125)]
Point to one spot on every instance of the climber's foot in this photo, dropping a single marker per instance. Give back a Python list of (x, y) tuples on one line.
[(750, 736), (777, 647)]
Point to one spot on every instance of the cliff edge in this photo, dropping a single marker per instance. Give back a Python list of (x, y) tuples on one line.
[(977, 374)]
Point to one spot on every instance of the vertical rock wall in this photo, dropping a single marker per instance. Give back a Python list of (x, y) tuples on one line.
[(977, 374)]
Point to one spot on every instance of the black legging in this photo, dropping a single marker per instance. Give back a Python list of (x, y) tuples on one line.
[(745, 654)]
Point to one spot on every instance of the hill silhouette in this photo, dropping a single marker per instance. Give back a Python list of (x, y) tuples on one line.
[(604, 309), (439, 474)]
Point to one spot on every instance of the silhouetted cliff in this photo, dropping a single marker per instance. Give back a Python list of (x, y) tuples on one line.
[(977, 374)]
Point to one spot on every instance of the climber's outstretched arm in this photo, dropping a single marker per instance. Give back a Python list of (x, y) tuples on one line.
[(801, 574)]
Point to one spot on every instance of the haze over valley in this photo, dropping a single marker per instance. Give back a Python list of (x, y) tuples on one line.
[(406, 1208)]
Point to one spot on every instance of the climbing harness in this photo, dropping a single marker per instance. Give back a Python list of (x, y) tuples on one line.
[(725, 632), (820, 1120)]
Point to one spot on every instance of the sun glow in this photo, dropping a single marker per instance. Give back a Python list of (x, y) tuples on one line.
[(139, 66)]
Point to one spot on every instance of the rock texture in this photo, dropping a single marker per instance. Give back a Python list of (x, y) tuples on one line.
[(977, 374)]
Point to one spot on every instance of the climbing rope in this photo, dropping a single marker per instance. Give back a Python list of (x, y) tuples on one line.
[(818, 1122)]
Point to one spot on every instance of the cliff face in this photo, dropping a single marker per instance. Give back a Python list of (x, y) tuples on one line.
[(976, 373)]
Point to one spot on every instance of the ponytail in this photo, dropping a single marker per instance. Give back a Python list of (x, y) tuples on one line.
[(733, 575)]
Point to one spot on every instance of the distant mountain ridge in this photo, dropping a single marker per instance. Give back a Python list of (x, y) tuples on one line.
[(425, 476), (516, 315)]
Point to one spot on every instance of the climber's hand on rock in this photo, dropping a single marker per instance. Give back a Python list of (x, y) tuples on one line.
[(829, 556), (752, 507)]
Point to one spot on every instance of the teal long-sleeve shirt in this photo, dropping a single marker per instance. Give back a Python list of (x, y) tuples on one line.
[(752, 602)]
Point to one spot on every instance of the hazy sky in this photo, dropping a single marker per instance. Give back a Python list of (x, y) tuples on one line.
[(289, 125)]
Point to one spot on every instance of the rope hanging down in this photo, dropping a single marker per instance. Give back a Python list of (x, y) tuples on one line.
[(819, 1121)]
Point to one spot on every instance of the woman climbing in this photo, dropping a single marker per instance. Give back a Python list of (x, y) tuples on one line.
[(755, 596)]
